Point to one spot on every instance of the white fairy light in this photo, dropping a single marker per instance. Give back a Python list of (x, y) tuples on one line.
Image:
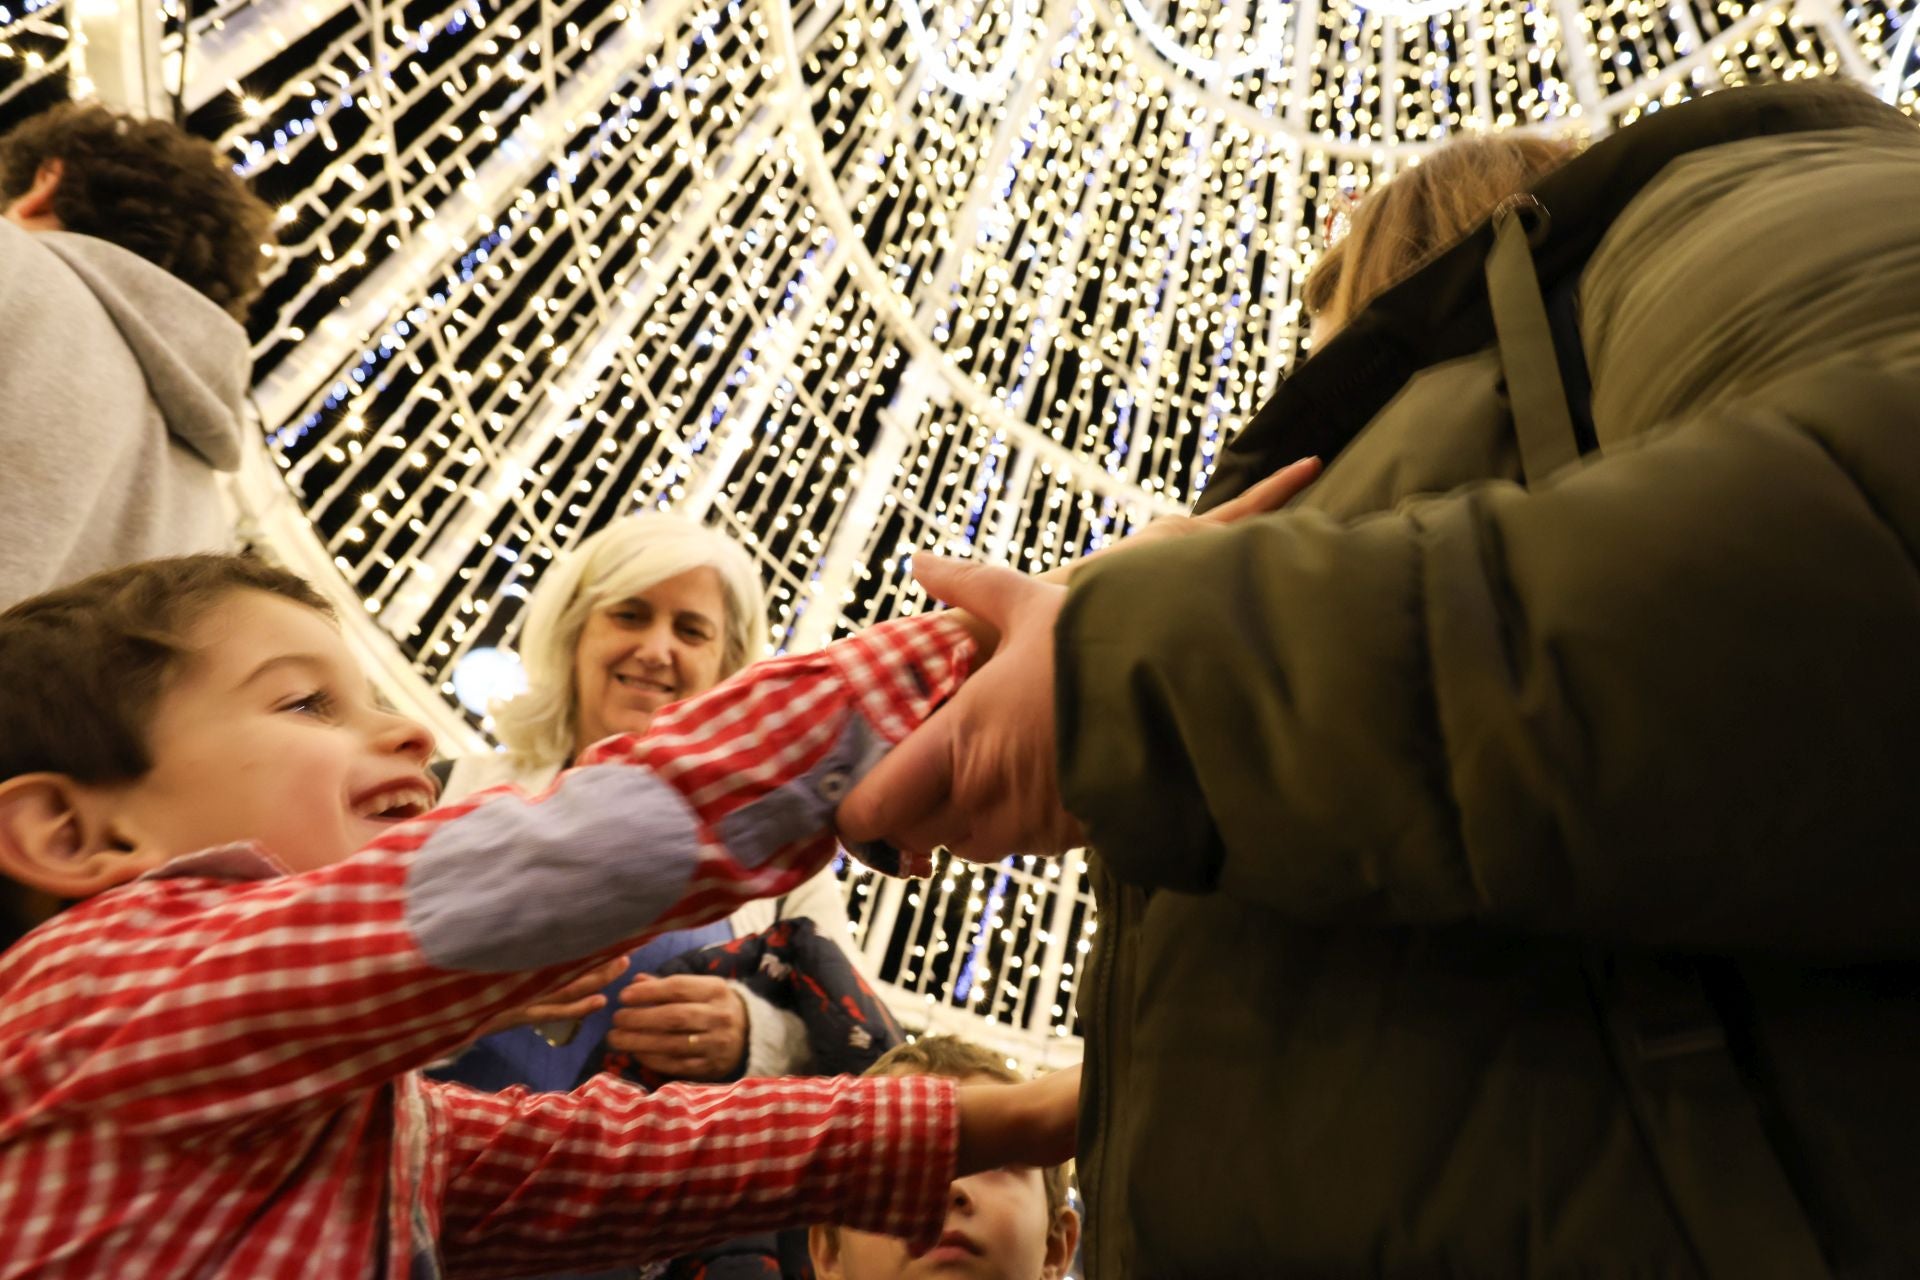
[(1900, 80)]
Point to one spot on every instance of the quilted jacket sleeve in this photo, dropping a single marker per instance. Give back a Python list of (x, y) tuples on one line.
[(1670, 698)]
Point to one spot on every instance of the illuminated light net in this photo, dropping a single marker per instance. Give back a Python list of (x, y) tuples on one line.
[(850, 279)]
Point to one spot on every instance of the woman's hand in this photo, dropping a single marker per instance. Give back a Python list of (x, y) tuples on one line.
[(564, 1004), (685, 1027)]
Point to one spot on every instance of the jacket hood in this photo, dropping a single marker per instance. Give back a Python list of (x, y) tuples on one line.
[(195, 356), (1440, 312)]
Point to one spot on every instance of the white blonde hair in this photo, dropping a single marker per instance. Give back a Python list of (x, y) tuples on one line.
[(622, 561)]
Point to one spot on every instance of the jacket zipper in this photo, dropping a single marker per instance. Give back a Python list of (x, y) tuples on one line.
[(1097, 1056)]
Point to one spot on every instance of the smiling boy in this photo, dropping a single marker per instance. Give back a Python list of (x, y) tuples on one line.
[(209, 1060)]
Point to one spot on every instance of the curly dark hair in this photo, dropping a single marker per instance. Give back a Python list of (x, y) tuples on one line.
[(151, 188)]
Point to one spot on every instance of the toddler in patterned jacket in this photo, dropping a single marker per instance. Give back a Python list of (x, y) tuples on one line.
[(209, 1060)]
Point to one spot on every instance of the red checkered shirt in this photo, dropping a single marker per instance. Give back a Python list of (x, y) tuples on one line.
[(213, 1071)]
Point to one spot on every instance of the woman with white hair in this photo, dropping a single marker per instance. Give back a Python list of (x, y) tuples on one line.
[(652, 609)]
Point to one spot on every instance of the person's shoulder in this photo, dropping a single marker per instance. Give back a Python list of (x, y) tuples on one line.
[(32, 275), (17, 241), (125, 282), (88, 942)]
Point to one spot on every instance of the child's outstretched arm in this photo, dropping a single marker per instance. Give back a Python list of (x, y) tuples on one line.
[(213, 1003), (611, 1175)]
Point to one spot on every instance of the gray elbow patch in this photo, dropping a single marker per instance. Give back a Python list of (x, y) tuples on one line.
[(520, 884), (804, 806)]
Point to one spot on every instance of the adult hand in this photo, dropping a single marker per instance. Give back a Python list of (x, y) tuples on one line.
[(1270, 494), (979, 776), (686, 1027), (569, 1003)]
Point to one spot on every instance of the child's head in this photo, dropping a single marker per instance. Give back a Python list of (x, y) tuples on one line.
[(177, 705), (144, 184), (1003, 1224)]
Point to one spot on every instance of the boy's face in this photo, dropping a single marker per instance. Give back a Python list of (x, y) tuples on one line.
[(268, 731), (997, 1228)]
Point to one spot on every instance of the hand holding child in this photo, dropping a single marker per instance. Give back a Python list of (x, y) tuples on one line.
[(980, 777)]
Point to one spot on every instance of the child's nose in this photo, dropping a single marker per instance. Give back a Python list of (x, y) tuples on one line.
[(400, 736)]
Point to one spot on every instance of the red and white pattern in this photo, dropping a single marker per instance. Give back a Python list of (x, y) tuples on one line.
[(211, 1075), (729, 748)]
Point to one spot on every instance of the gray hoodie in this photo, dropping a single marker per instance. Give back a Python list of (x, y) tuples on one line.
[(121, 394)]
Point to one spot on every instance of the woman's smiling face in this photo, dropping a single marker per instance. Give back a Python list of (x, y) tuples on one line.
[(637, 655)]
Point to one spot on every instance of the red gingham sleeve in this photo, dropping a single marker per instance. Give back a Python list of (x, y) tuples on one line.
[(210, 1003), (611, 1175)]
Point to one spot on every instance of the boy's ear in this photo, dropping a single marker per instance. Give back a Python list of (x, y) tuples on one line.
[(55, 837), (1063, 1240), (823, 1244), (33, 208)]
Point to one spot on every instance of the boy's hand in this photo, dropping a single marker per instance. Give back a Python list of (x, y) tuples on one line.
[(1032, 1123), (690, 1026), (565, 1004)]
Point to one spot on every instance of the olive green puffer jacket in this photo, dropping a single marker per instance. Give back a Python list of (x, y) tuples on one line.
[(1509, 855)]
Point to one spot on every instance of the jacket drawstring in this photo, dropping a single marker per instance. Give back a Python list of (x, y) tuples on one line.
[(1541, 419)]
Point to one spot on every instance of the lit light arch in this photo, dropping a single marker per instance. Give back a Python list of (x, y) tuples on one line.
[(846, 279)]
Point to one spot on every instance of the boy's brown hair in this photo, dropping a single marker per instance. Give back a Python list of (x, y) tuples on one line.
[(151, 188), (957, 1059), (82, 668)]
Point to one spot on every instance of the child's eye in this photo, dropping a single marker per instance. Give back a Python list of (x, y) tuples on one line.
[(318, 703)]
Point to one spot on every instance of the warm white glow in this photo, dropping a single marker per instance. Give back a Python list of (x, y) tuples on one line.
[(852, 278)]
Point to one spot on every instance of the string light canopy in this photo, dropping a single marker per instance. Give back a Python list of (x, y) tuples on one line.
[(850, 278)]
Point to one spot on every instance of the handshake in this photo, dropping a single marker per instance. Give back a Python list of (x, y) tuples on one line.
[(981, 777)]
